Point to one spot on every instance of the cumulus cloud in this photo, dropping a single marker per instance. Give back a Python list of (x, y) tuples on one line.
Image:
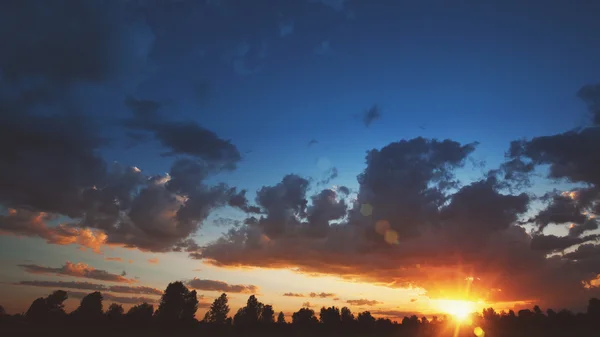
[(212, 285), (52, 138), (114, 298), (141, 290), (76, 270), (363, 302), (412, 224), (23, 222)]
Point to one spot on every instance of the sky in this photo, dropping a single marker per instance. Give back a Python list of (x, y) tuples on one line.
[(382, 155)]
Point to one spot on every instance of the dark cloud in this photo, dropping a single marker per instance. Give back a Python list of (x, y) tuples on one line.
[(307, 305), (312, 142), (141, 290), (76, 270), (553, 242), (293, 295), (371, 115), (412, 224), (590, 94), (51, 138), (116, 299), (211, 285), (344, 190), (329, 175), (321, 295), (181, 137), (363, 302), (585, 251)]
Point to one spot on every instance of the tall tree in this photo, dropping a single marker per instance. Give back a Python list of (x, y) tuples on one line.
[(177, 303), (217, 314), (115, 311), (51, 307), (140, 313), (304, 316), (346, 316), (90, 307), (281, 318), (267, 316), (250, 314), (330, 316)]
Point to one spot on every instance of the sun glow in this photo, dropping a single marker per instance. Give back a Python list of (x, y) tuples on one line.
[(460, 310)]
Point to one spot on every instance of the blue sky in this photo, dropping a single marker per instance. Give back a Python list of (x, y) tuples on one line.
[(271, 76)]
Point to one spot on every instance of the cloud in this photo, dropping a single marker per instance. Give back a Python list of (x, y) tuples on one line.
[(118, 259), (329, 175), (153, 261), (181, 137), (307, 305), (53, 136), (116, 299), (293, 295), (321, 295), (140, 290), (23, 222), (76, 270), (423, 229), (370, 115), (211, 285), (363, 302)]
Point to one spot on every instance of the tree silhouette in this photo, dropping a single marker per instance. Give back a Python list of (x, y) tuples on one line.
[(304, 317), (90, 307), (593, 309), (366, 320), (140, 313), (115, 311), (177, 304), (281, 318), (346, 316), (2, 311), (330, 316), (217, 314), (51, 307), (267, 316), (250, 314)]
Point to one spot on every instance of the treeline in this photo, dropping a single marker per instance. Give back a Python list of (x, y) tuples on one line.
[(178, 305)]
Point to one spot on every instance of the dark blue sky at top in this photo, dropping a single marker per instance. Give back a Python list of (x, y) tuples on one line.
[(482, 71)]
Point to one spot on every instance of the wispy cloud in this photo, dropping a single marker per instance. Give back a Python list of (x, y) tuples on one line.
[(76, 270), (212, 285), (140, 290), (293, 295), (153, 260), (363, 301)]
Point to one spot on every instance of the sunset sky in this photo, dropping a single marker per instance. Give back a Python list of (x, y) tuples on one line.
[(383, 155)]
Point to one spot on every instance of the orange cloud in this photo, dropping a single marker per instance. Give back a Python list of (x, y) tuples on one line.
[(113, 259), (362, 302), (77, 270), (153, 261), (321, 295), (22, 222)]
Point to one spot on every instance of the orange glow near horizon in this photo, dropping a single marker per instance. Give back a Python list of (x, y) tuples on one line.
[(459, 309)]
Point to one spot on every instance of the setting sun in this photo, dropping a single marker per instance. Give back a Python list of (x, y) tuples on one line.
[(457, 308)]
